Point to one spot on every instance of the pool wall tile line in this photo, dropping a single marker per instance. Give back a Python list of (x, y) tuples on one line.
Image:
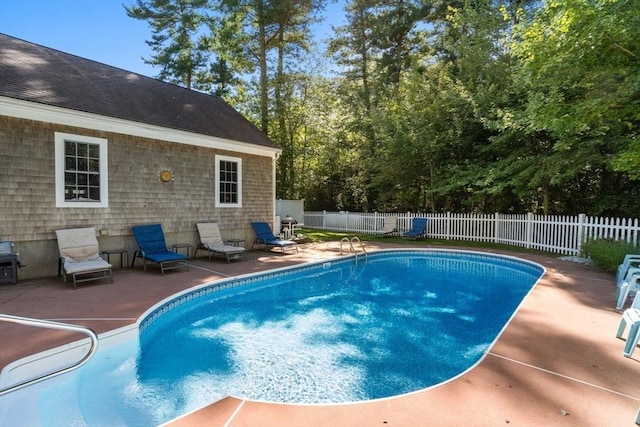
[(169, 304), (155, 312)]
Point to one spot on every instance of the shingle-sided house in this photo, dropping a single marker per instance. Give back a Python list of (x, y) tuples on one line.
[(86, 144)]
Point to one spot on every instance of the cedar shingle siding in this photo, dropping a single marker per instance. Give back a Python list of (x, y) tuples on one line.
[(57, 81)]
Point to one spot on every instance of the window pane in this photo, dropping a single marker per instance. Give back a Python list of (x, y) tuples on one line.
[(68, 193), (82, 171), (94, 165), (83, 150), (94, 151), (70, 163), (70, 148), (69, 179), (94, 194)]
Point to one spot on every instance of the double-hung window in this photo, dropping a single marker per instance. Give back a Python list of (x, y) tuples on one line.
[(81, 171), (228, 191)]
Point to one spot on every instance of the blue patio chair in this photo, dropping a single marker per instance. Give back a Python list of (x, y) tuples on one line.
[(265, 236), (152, 247), (418, 229)]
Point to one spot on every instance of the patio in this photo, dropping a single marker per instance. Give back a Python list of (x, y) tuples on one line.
[(558, 362)]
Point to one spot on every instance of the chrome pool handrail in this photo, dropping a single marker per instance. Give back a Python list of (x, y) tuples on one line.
[(352, 248), (50, 325)]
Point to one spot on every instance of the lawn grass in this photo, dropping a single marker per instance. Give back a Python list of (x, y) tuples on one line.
[(315, 235)]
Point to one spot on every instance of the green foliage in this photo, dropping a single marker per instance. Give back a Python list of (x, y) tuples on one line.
[(580, 70), (469, 106), (179, 48), (607, 254)]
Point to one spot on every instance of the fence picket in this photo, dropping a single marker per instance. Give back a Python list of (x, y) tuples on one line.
[(551, 233)]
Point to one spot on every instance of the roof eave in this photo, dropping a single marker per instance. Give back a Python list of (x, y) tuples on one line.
[(63, 116)]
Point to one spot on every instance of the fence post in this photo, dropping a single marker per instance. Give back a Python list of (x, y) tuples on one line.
[(324, 215), (581, 218), (529, 239), (448, 227), (496, 228)]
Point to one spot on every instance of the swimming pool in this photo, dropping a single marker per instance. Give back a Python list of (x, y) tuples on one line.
[(337, 331)]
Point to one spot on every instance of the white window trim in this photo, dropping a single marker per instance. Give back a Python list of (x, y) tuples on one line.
[(60, 138), (237, 160)]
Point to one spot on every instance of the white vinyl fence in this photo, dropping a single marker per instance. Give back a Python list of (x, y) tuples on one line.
[(551, 233)]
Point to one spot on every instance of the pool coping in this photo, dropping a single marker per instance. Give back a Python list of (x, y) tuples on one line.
[(541, 335)]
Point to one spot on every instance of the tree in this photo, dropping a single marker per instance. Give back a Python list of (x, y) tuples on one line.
[(289, 85), (579, 74), (180, 51)]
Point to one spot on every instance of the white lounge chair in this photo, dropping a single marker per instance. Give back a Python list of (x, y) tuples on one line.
[(80, 256), (389, 226), (211, 241)]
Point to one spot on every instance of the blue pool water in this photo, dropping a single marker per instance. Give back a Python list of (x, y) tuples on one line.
[(333, 332)]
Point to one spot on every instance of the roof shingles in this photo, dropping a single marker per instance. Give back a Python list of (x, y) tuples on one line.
[(39, 74)]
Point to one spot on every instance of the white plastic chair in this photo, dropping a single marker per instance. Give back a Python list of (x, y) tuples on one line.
[(630, 260), (626, 277), (627, 286), (631, 318)]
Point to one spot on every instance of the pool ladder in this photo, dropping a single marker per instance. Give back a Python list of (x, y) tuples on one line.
[(352, 248), (51, 325)]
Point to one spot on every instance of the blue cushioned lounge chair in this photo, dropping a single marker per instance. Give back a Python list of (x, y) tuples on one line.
[(152, 247), (418, 229), (265, 236)]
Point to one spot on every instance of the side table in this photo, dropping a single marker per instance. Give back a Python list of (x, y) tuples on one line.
[(235, 242), (175, 248), (124, 256)]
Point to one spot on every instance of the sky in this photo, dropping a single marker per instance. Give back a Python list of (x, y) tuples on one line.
[(100, 30)]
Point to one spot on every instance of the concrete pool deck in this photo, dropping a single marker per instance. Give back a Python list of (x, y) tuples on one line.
[(558, 363)]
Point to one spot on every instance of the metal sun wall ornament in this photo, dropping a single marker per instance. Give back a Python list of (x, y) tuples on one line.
[(166, 175)]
